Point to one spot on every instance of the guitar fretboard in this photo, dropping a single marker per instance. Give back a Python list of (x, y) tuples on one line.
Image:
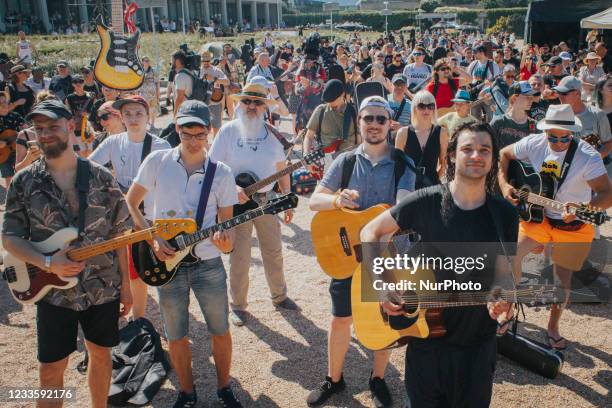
[(201, 235), (442, 300), (117, 16), (253, 188), (83, 253)]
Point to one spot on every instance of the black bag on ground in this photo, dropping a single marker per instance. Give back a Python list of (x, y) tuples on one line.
[(533, 355), (139, 365)]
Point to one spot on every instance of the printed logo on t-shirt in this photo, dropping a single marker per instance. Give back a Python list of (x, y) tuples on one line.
[(551, 167)]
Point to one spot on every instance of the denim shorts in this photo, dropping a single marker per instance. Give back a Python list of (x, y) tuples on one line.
[(208, 281)]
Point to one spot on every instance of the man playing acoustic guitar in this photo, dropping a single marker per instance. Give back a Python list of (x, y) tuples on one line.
[(372, 181), (456, 369)]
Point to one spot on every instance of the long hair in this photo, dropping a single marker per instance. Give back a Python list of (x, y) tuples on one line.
[(598, 90), (426, 98), (451, 150)]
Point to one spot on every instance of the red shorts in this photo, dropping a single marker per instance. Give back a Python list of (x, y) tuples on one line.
[(133, 273)]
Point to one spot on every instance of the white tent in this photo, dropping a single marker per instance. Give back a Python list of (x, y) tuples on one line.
[(599, 20)]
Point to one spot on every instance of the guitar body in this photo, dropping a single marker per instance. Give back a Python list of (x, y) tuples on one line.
[(244, 180), (216, 95), (28, 283), (523, 177), (117, 64), (10, 137), (376, 330), (335, 238)]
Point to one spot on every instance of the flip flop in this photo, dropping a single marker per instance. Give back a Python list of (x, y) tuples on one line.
[(556, 340)]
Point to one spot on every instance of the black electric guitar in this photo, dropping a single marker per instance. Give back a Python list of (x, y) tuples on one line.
[(250, 183), (535, 192), (154, 272)]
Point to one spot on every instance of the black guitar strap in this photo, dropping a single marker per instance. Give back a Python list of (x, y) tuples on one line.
[(209, 175), (82, 186), (146, 147), (567, 161)]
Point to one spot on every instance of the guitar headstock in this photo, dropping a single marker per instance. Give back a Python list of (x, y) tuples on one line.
[(170, 228), (591, 215), (314, 157), (540, 295), (280, 204), (592, 139)]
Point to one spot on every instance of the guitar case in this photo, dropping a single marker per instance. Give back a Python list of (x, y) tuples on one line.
[(365, 89), (531, 354)]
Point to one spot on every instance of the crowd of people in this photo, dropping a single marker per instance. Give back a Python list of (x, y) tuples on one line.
[(452, 109)]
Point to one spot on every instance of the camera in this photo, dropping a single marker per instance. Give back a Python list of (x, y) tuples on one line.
[(192, 62)]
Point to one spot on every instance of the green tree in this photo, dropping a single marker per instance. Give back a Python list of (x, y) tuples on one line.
[(429, 5)]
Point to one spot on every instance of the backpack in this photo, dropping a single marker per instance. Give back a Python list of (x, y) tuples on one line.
[(200, 88), (140, 365), (399, 157), (349, 114)]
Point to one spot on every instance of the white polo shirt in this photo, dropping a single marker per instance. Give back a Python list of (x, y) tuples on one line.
[(255, 153), (586, 165), (175, 194)]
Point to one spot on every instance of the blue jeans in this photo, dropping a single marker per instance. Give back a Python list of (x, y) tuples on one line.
[(208, 281)]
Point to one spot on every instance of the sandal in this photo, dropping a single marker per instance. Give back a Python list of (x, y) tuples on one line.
[(502, 328), (552, 341)]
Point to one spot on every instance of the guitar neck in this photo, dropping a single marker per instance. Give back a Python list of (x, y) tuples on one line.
[(443, 300), (253, 188), (81, 254), (117, 16), (545, 202)]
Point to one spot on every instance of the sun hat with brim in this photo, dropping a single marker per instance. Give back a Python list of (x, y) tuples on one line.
[(560, 117), (193, 112), (50, 108), (119, 103), (254, 91), (261, 80), (462, 96), (591, 56), (19, 68)]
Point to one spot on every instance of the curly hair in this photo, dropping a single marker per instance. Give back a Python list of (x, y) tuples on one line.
[(597, 91), (491, 179)]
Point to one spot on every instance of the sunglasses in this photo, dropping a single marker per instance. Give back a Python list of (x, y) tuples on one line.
[(380, 119), (423, 106), (255, 102), (444, 69), (78, 82), (418, 54), (562, 139)]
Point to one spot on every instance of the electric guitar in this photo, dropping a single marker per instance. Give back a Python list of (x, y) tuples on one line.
[(335, 238), (29, 284), (154, 272), (10, 137), (250, 182), (117, 64), (423, 309), (535, 191)]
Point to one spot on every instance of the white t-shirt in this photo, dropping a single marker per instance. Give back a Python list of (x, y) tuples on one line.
[(176, 194), (258, 70), (183, 81), (595, 121), (416, 75), (25, 51), (477, 70), (255, 153), (586, 165), (125, 156)]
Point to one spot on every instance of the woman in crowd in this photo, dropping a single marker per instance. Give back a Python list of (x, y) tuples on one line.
[(22, 96), (444, 85), (378, 75), (590, 74), (149, 90)]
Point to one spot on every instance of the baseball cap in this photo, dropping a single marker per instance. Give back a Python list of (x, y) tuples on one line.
[(376, 102), (62, 63), (567, 84), (462, 96), (509, 68), (51, 108), (399, 78), (333, 90), (193, 111), (553, 61), (77, 78), (131, 99), (565, 56), (522, 88)]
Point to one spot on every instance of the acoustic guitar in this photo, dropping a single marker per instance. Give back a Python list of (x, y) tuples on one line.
[(335, 238), (117, 64), (29, 284), (423, 309), (10, 137)]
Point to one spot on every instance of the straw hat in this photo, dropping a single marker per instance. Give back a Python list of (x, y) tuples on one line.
[(254, 91), (591, 56)]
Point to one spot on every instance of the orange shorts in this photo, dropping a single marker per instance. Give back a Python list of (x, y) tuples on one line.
[(569, 248)]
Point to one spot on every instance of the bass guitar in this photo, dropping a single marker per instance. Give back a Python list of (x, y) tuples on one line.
[(423, 309), (335, 238), (29, 284), (534, 194), (9, 136), (154, 272), (251, 183)]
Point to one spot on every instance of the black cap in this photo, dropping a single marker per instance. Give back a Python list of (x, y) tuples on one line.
[(51, 108), (77, 78), (553, 61), (333, 90)]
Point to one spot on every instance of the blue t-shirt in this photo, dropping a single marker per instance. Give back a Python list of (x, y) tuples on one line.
[(404, 118)]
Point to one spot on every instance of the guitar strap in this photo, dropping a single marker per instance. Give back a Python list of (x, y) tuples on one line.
[(209, 174), (279, 136), (82, 186), (567, 161), (146, 147)]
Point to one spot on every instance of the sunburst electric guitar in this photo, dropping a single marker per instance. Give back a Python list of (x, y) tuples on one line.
[(29, 284), (117, 64)]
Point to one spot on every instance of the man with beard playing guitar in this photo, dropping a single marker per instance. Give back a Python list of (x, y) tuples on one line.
[(372, 181), (455, 370)]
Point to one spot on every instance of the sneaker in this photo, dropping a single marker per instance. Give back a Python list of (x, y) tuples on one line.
[(325, 390), (226, 398), (239, 317), (185, 400), (287, 304), (380, 392)]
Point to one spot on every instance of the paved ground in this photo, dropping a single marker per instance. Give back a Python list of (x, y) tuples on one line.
[(280, 356)]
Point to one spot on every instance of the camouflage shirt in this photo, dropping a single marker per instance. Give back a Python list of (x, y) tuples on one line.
[(36, 208)]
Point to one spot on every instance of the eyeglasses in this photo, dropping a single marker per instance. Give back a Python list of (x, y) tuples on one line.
[(104, 116), (418, 54), (444, 69), (199, 136), (423, 106), (380, 119), (255, 102), (556, 139)]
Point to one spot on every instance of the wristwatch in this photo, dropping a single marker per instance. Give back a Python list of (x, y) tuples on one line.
[(48, 263)]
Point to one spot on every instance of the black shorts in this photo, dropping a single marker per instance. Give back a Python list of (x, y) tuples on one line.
[(7, 169), (57, 328), (340, 291)]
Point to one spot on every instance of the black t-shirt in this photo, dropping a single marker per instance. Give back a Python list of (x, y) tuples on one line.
[(421, 211), (12, 120), (394, 69), (514, 61), (364, 64), (94, 90), (538, 110), (61, 87)]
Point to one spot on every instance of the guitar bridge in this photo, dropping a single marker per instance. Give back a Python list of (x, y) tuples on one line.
[(344, 241)]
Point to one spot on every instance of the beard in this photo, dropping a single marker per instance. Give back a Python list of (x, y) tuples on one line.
[(53, 150), (250, 126)]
